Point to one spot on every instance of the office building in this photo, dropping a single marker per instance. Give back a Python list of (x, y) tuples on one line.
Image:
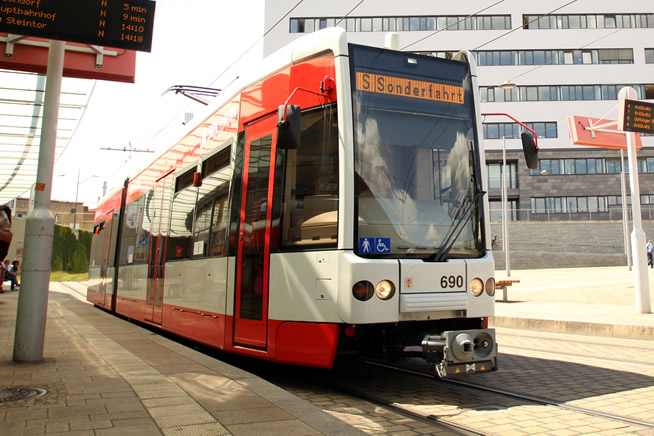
[(564, 57)]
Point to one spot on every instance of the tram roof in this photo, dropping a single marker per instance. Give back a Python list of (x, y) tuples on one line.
[(22, 97), (330, 39)]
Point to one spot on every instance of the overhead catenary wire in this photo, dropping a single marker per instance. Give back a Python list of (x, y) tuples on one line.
[(520, 27), (452, 25), (579, 48), (245, 52), (231, 65)]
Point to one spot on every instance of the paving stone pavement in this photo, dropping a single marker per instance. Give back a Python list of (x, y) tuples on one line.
[(105, 376)]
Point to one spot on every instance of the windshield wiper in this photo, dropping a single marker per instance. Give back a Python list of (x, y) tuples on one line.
[(461, 217)]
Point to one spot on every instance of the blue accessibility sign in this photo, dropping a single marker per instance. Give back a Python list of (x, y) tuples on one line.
[(374, 245)]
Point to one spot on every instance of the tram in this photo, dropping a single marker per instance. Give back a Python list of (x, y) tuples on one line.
[(333, 203)]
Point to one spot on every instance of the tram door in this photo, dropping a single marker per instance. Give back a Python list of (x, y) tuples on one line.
[(104, 269), (251, 309), (160, 217)]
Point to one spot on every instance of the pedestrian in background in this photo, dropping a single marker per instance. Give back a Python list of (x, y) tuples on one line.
[(650, 260), (14, 269), (10, 275)]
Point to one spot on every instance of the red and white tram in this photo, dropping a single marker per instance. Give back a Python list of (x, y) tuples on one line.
[(334, 202)]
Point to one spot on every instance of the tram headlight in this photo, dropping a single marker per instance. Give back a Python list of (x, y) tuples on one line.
[(385, 289), (490, 286), (476, 287), (363, 290)]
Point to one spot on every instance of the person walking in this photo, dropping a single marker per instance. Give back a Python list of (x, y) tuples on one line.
[(650, 259)]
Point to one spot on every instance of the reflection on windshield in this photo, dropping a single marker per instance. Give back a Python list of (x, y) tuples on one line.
[(414, 172)]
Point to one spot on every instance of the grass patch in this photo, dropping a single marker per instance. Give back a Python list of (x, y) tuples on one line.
[(62, 276)]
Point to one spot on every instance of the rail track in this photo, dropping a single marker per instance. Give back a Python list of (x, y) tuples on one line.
[(519, 396)]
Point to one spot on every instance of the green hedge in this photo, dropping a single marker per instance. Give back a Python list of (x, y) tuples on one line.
[(69, 253)]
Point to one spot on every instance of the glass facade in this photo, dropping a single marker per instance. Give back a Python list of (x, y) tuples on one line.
[(561, 93), (575, 166), (555, 57), (588, 21), (402, 23), (513, 130)]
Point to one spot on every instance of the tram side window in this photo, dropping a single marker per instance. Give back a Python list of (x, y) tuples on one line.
[(310, 205), (113, 242), (219, 226), (202, 226), (97, 245), (135, 240), (211, 217), (180, 236), (199, 215)]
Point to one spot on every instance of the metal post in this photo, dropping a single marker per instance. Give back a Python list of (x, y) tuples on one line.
[(39, 228), (638, 250), (76, 194), (625, 213), (505, 212)]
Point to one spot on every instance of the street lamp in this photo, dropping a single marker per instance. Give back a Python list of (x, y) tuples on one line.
[(505, 212), (74, 211), (76, 195), (530, 147)]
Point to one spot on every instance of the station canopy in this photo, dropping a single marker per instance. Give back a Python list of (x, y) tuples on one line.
[(22, 96)]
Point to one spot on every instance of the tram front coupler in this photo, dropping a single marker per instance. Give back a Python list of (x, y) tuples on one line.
[(461, 352)]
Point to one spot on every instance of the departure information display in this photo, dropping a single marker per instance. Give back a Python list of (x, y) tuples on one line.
[(638, 117), (124, 24)]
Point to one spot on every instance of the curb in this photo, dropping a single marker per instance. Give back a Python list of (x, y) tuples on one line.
[(574, 327)]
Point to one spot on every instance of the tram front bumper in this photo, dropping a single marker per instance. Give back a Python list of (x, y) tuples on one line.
[(462, 351)]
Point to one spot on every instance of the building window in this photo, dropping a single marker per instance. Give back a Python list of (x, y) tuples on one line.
[(496, 210), (548, 167), (513, 130), (649, 55), (495, 175), (562, 93), (608, 21), (406, 24), (581, 204), (554, 57)]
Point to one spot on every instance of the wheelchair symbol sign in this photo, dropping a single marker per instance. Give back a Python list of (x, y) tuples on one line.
[(382, 245), (374, 245)]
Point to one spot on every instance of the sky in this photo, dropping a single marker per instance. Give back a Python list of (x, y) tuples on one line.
[(193, 42)]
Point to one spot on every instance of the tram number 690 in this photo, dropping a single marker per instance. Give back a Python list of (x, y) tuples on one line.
[(451, 281)]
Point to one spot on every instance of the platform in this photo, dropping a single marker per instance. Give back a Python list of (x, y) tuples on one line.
[(105, 376)]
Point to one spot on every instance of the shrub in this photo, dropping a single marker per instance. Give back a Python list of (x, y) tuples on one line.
[(70, 253)]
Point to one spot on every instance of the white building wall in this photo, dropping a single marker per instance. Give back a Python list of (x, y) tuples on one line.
[(520, 39)]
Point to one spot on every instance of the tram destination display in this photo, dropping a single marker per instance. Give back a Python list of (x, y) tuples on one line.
[(638, 117), (124, 24)]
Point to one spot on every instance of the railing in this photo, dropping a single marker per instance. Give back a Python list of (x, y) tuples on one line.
[(612, 214)]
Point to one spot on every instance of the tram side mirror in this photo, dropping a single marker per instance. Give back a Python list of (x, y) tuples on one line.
[(530, 149), (288, 128)]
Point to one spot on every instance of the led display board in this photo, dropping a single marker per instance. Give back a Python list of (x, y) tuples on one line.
[(637, 116), (124, 24)]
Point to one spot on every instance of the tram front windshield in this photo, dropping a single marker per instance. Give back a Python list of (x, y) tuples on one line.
[(415, 150)]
